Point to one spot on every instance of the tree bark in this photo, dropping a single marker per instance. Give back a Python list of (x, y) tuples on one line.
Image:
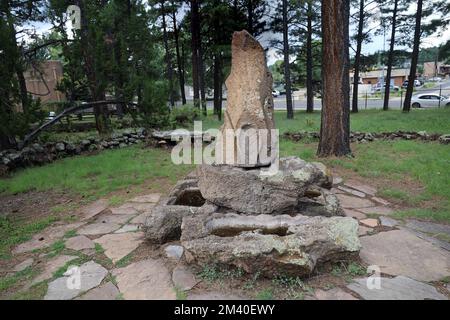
[(414, 59), (168, 56), (250, 17), (356, 67), (194, 46), (177, 50), (335, 122), (217, 84), (387, 89), (287, 71), (309, 63)]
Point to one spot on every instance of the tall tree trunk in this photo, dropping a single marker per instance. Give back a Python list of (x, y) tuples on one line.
[(177, 50), (414, 59), (201, 65), (335, 122), (119, 78), (100, 111), (356, 67), (287, 71), (217, 82), (309, 62), (168, 56), (250, 17), (387, 89), (194, 46)]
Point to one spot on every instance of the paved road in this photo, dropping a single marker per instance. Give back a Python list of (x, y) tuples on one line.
[(371, 103)]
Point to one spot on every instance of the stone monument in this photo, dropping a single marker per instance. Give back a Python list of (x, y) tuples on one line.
[(232, 213)]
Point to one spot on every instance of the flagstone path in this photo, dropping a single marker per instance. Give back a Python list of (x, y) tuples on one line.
[(115, 262)]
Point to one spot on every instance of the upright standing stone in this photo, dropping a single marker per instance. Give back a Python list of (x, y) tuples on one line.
[(249, 105)]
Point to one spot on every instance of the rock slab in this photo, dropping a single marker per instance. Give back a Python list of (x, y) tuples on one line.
[(269, 244), (400, 252), (145, 280), (398, 288)]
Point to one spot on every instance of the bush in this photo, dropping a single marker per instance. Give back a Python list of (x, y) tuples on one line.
[(154, 108), (185, 115)]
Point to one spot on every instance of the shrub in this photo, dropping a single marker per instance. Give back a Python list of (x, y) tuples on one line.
[(185, 115)]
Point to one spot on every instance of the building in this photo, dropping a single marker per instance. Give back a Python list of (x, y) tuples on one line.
[(42, 80), (435, 69), (398, 76)]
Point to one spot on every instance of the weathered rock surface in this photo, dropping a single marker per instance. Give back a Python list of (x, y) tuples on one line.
[(164, 222), (400, 252), (98, 228), (107, 291), (269, 244), (183, 278), (214, 295), (145, 280), (66, 288), (23, 265), (119, 245), (46, 237), (398, 288), (250, 191), (79, 243), (51, 266), (174, 252), (250, 101)]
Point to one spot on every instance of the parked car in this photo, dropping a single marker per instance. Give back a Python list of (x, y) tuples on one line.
[(51, 115), (416, 83), (378, 88), (435, 79), (275, 93), (427, 100)]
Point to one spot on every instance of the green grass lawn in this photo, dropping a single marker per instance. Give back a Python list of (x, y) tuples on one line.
[(97, 175), (426, 164), (430, 120)]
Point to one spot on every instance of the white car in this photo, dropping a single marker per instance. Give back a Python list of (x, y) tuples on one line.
[(275, 93), (426, 100)]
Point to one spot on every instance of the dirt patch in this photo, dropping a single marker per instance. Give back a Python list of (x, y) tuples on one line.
[(35, 204)]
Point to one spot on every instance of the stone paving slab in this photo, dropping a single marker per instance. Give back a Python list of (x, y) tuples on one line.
[(51, 266), (377, 210), (351, 202), (128, 228), (125, 209), (140, 219), (46, 237), (174, 252), (354, 214), (98, 228), (79, 243), (388, 222), (362, 231), (398, 288), (93, 209), (381, 201), (23, 265), (119, 245), (352, 192), (65, 288), (400, 252), (428, 227), (145, 280), (183, 278), (361, 187), (333, 294), (371, 223), (151, 198), (113, 218), (107, 291)]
